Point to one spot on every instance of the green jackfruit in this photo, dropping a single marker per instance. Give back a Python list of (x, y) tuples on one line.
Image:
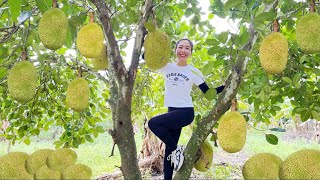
[(61, 158), (90, 40), (302, 164), (53, 28), (232, 132), (205, 161), (22, 81), (12, 166), (45, 173), (101, 62), (78, 93), (307, 32), (262, 166), (273, 53), (157, 49), (77, 171), (37, 159)]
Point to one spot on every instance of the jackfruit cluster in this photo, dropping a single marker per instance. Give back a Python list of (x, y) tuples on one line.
[(232, 131), (302, 164), (78, 92), (307, 33), (273, 53), (90, 40), (53, 28), (204, 162), (157, 49), (22, 81), (262, 166), (43, 164), (100, 62)]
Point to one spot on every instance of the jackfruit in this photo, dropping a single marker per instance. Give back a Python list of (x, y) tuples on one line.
[(77, 171), (45, 173), (302, 164), (53, 28), (90, 40), (12, 166), (262, 166), (100, 62), (205, 161), (232, 131), (78, 93), (273, 53), (61, 158), (307, 32), (157, 49), (22, 81), (37, 159)]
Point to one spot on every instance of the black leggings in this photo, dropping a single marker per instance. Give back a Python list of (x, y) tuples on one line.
[(168, 128)]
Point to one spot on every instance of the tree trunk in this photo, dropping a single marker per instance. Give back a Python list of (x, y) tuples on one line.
[(121, 84)]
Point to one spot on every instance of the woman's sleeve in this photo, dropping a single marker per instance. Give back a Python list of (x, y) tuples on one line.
[(204, 88)]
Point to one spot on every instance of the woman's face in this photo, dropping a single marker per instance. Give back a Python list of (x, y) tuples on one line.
[(183, 51)]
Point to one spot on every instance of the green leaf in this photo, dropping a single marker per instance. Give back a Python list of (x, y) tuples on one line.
[(89, 138), (222, 37), (305, 115), (149, 26), (265, 16), (188, 12), (208, 68), (211, 94), (15, 8), (274, 93), (272, 139), (44, 5), (3, 72), (277, 129), (287, 80), (27, 141), (315, 115)]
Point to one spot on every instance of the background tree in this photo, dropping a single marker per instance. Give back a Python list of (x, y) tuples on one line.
[(225, 56)]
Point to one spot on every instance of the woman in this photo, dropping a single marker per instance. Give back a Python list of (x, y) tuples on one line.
[(179, 79)]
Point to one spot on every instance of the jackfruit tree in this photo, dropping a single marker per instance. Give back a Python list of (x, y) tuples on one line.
[(127, 91)]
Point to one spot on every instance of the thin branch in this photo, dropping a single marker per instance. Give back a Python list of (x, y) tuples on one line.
[(4, 2)]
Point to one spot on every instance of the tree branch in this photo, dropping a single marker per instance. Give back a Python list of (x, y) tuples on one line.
[(140, 34)]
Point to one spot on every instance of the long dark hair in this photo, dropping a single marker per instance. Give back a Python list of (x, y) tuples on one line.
[(191, 44)]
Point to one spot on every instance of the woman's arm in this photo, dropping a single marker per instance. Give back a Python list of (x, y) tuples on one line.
[(204, 88)]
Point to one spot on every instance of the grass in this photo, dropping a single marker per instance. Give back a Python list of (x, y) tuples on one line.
[(96, 154)]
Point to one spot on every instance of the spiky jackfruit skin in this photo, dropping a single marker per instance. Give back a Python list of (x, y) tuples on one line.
[(307, 32), (45, 173), (273, 53), (77, 171), (12, 166), (78, 93), (53, 28), (22, 81), (232, 132), (302, 164), (205, 161), (262, 166), (37, 159), (61, 158), (157, 49), (90, 40), (101, 62)]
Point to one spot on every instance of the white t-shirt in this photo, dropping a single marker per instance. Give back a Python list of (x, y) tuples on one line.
[(178, 84)]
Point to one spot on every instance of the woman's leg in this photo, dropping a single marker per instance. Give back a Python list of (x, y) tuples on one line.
[(167, 167), (174, 120)]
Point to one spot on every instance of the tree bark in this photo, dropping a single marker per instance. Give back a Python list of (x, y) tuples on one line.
[(121, 86), (223, 104)]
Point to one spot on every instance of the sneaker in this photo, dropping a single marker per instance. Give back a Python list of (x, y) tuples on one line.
[(176, 158)]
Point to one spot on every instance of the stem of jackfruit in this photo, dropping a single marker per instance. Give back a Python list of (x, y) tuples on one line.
[(275, 26), (79, 75), (24, 55), (154, 19), (312, 6), (54, 4), (234, 105), (91, 15)]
